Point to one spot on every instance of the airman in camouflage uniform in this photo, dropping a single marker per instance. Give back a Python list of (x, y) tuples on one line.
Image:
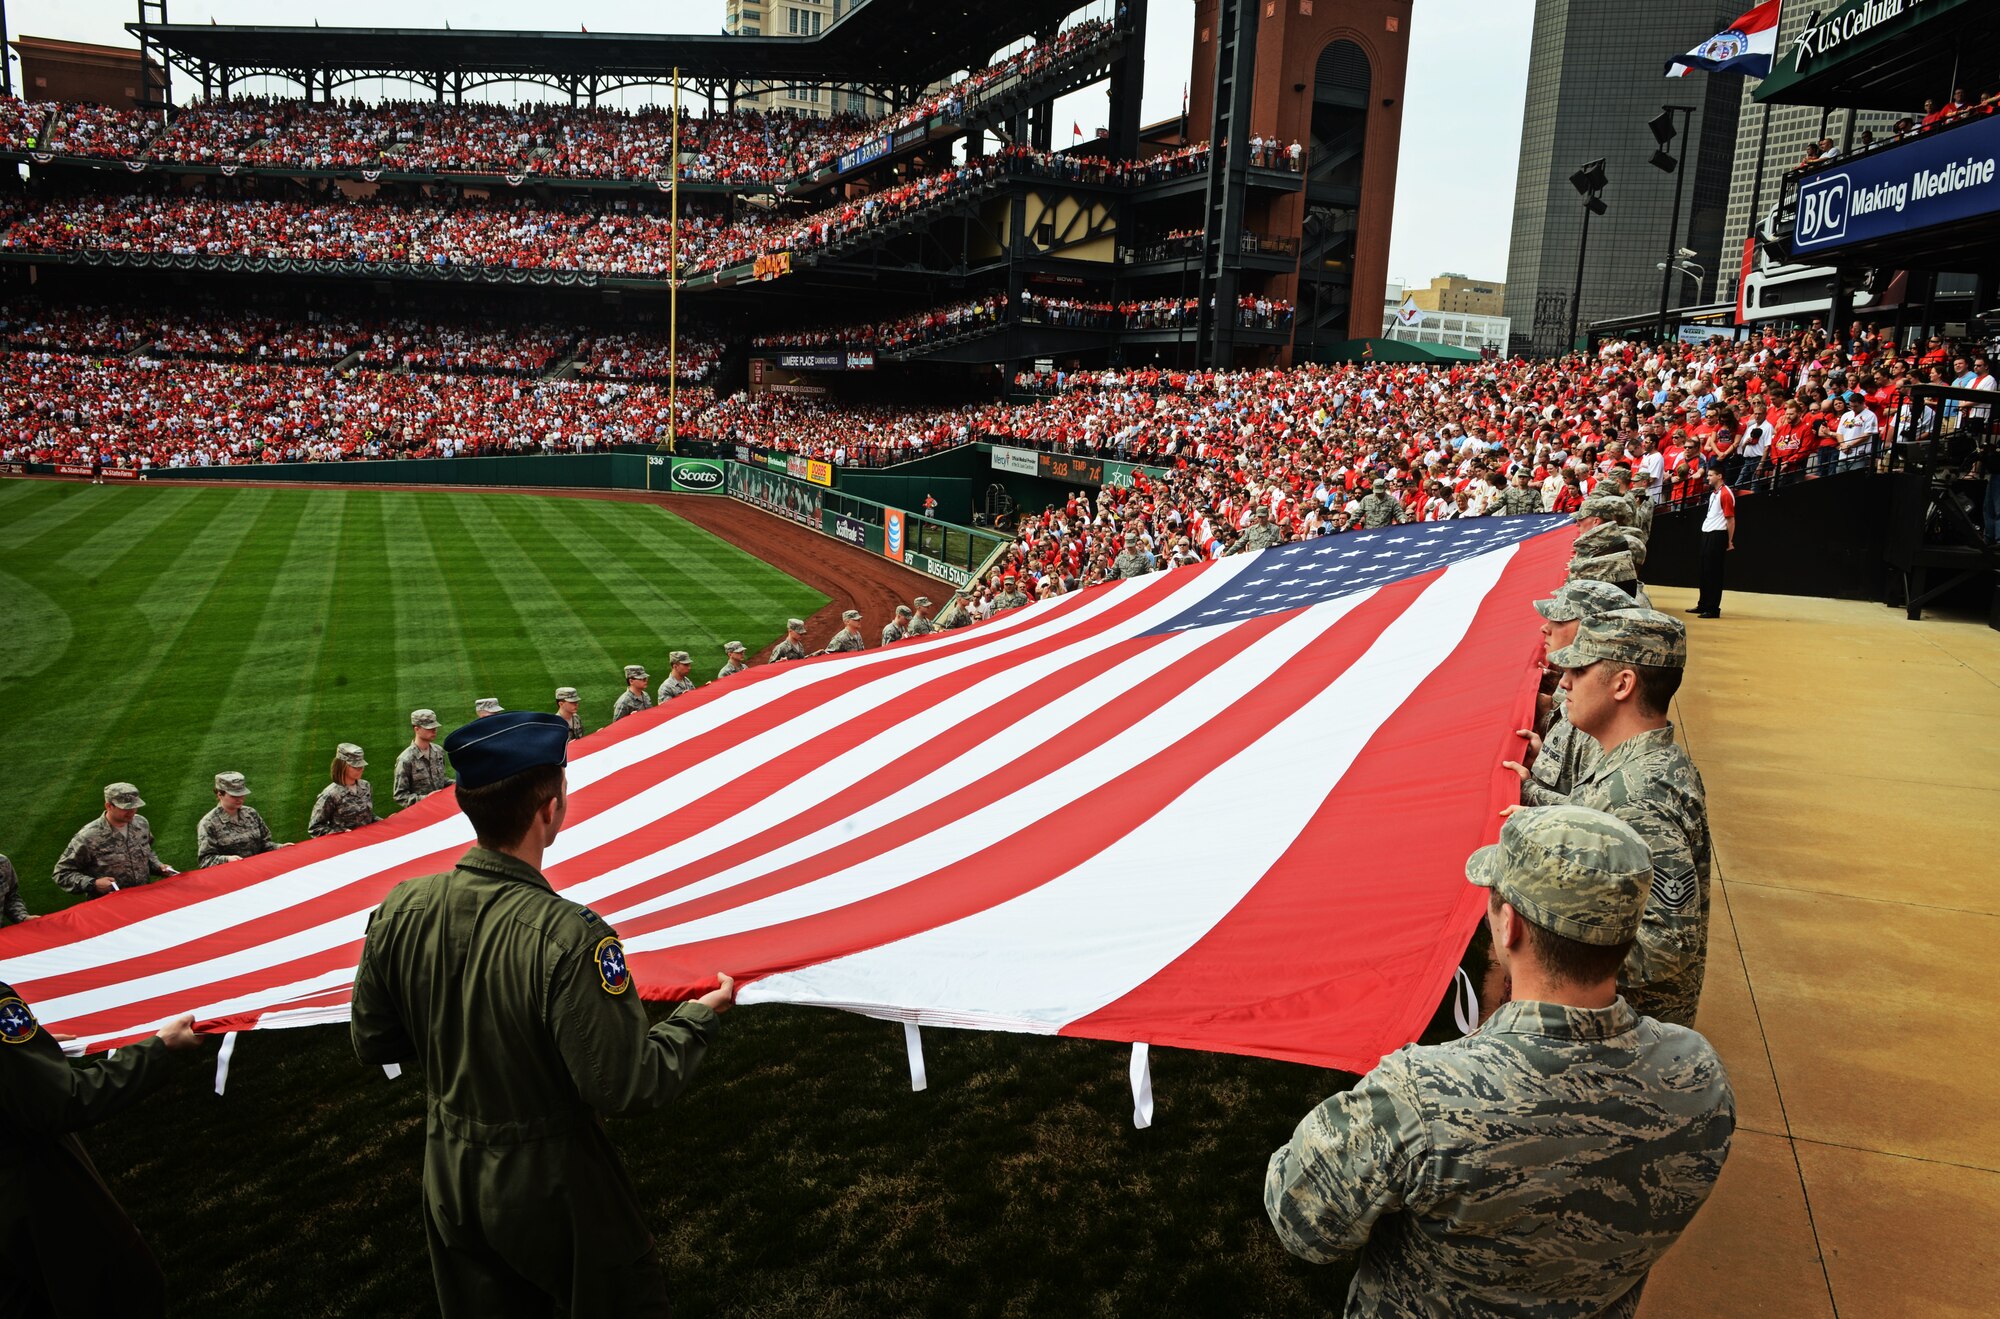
[(486, 707), (226, 835), (920, 626), (1617, 569), (1517, 498), (420, 769), (1604, 506), (1565, 754), (735, 664), (633, 699), (849, 636), (342, 806), (954, 615), (677, 682), (1610, 538), (1647, 780), (896, 628), (1380, 509), (569, 704), (1131, 561), (12, 910), (1262, 534), (1541, 1165), (113, 851), (1009, 597), (792, 647)]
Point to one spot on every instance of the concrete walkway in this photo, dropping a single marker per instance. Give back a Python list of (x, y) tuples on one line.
[(1852, 759)]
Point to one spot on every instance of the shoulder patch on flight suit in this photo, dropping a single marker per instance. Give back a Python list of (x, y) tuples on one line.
[(17, 1021), (611, 968)]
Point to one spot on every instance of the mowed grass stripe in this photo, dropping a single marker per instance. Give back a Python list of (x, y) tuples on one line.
[(603, 589), (54, 505), (708, 559), (263, 697), (122, 524), (669, 583), (13, 490), (509, 633), (350, 699), (69, 748), (431, 665), (584, 601), (558, 632), (594, 535)]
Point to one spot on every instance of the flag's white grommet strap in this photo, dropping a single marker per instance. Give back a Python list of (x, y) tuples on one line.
[(1465, 1003), (222, 1057), (1142, 1085), (392, 1070), (913, 1041)]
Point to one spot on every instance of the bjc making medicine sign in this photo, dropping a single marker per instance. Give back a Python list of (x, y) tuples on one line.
[(1952, 175)]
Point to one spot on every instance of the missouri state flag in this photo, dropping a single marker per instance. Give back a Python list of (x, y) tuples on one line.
[(1746, 46)]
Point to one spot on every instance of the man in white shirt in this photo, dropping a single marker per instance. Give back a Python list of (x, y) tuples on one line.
[(1652, 467), (1756, 444), (1858, 431)]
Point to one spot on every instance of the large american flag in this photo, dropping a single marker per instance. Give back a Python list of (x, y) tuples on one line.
[(1225, 807)]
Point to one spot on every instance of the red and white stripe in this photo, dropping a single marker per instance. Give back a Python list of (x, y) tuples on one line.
[(1247, 838)]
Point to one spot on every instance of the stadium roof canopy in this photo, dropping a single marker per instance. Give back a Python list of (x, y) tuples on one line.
[(1877, 56), (903, 43)]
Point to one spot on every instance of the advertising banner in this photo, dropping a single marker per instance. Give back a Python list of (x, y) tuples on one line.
[(1937, 179), (867, 153), (1021, 462), (109, 473), (823, 359), (911, 136), (852, 530), (13, 469), (696, 476), (939, 569), (1120, 474), (818, 471), (775, 494), (892, 534), (771, 265)]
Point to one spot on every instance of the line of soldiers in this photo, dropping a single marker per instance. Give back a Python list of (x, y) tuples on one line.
[(1480, 1169)]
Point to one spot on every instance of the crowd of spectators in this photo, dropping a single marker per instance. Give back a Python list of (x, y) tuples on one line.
[(23, 124), (645, 355), (260, 337), (521, 348), (144, 413), (102, 133), (73, 326)]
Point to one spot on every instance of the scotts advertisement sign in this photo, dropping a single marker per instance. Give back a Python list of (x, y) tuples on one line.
[(696, 476), (1937, 179)]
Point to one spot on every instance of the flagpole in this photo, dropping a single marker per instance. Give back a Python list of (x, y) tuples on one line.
[(674, 266), (1763, 138)]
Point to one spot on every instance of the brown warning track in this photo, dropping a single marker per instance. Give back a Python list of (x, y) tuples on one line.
[(848, 577)]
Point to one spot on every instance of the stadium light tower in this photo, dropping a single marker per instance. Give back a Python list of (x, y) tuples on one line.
[(1589, 182), (1662, 125)]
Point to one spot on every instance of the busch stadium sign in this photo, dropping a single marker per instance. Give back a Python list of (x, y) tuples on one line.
[(1938, 179), (938, 568)]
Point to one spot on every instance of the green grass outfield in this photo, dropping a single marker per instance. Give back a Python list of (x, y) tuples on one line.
[(163, 633)]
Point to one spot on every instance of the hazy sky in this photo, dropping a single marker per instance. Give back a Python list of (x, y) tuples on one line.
[(1462, 107)]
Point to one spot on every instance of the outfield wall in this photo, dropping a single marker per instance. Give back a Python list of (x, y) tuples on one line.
[(944, 550)]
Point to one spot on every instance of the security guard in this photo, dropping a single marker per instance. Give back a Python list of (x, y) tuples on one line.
[(420, 769), (1544, 1163), (734, 665), (793, 646), (570, 706), (633, 699), (677, 682), (849, 636), (518, 1009), (71, 1251)]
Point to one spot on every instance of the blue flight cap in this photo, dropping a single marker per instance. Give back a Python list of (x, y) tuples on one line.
[(503, 745)]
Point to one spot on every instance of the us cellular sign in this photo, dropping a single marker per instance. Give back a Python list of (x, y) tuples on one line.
[(1949, 176)]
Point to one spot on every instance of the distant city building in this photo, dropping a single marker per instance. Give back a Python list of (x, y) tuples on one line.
[(78, 73), (1596, 75), (1458, 329), (1475, 297), (797, 18), (1793, 128)]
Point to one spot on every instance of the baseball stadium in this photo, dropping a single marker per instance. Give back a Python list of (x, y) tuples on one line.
[(749, 673)]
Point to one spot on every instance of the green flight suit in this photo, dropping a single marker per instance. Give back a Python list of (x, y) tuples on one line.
[(66, 1247), (518, 1008)]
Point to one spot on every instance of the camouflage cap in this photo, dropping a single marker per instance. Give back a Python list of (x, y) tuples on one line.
[(1582, 599), (568, 694), (1573, 871), (231, 782), (349, 754), (1612, 508), (850, 615), (1604, 538), (636, 673), (487, 705), (1626, 636), (1605, 568), (423, 719), (923, 602), (1263, 512), (733, 647), (795, 625), (904, 611), (122, 795), (679, 657)]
